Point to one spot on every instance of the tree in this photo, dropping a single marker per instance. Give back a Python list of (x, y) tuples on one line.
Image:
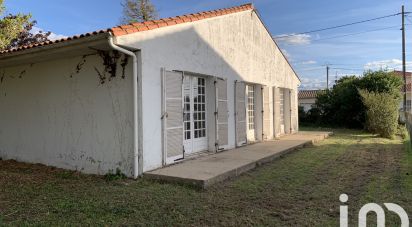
[(27, 37), (342, 106), (138, 11), (16, 30)]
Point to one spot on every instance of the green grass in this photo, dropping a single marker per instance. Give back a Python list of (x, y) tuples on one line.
[(301, 188)]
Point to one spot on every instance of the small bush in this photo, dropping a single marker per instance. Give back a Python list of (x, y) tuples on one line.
[(111, 176), (402, 131), (381, 112)]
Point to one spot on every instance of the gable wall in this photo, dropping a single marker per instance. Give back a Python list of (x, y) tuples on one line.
[(235, 47)]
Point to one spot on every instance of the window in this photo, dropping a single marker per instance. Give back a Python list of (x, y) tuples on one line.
[(251, 107)]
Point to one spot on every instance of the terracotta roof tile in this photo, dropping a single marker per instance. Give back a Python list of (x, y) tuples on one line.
[(307, 94), (121, 32), (145, 26), (400, 73), (154, 24)]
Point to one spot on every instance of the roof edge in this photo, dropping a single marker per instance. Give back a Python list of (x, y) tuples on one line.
[(170, 21), (270, 34)]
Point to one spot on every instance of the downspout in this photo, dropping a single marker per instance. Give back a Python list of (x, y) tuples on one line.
[(136, 152)]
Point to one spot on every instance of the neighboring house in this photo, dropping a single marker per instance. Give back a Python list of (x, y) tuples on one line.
[(307, 98), (408, 90), (141, 96)]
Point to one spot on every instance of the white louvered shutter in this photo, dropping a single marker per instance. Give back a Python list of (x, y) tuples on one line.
[(294, 111), (222, 114), (266, 113), (241, 135), (173, 115), (276, 110)]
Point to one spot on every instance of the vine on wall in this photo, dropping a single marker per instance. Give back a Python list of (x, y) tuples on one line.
[(110, 61)]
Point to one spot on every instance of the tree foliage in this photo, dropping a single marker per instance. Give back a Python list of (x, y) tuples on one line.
[(342, 105), (138, 11), (381, 112), (16, 30)]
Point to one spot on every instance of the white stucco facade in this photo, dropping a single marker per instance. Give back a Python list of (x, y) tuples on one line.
[(234, 47), (307, 103), (56, 114)]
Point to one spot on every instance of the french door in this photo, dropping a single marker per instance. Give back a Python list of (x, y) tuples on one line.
[(282, 110), (194, 114), (250, 112)]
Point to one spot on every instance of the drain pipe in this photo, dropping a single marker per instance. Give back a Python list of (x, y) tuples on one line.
[(137, 170)]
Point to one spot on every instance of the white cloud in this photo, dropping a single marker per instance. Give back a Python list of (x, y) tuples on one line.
[(52, 37), (389, 64), (310, 62), (294, 39), (312, 83)]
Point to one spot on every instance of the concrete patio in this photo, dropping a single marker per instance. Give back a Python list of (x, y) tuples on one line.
[(207, 170)]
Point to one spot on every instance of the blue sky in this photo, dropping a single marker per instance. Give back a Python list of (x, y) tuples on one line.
[(307, 53)]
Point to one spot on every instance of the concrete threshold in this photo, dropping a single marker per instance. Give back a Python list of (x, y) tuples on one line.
[(207, 170)]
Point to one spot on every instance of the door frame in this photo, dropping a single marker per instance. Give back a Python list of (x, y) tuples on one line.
[(192, 139), (248, 131)]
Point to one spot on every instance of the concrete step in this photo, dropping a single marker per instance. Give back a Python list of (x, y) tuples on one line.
[(207, 170)]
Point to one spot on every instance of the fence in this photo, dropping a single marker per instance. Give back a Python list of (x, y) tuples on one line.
[(408, 122)]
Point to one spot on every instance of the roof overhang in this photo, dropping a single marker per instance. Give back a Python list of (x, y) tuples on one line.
[(70, 48)]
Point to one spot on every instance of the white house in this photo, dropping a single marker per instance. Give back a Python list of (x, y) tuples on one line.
[(141, 96), (307, 98)]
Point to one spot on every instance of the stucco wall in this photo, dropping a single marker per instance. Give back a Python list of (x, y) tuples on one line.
[(53, 115), (307, 103), (235, 46)]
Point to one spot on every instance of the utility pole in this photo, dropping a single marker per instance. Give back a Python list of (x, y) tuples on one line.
[(327, 77), (403, 58)]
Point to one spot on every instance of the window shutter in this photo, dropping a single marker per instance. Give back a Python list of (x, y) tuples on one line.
[(240, 103), (222, 113), (294, 113), (172, 116), (276, 110), (266, 113)]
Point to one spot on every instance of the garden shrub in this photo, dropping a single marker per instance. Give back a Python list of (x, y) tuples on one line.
[(342, 105), (381, 112)]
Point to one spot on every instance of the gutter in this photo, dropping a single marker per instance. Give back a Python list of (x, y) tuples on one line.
[(137, 154)]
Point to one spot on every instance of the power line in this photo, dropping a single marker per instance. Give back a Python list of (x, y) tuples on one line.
[(358, 33), (408, 18), (349, 69), (339, 26)]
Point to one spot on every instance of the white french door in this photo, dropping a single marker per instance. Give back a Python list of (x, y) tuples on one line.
[(194, 114), (250, 112), (282, 110)]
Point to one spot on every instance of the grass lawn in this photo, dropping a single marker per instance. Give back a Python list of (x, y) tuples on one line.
[(299, 189)]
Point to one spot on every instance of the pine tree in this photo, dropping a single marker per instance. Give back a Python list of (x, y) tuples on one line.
[(138, 11), (15, 30)]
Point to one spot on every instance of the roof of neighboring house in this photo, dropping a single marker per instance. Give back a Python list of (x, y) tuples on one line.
[(408, 76), (145, 26), (307, 94), (400, 73)]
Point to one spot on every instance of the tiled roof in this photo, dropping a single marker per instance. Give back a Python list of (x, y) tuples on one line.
[(306, 94), (54, 41), (145, 26), (150, 25), (408, 76), (400, 73)]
